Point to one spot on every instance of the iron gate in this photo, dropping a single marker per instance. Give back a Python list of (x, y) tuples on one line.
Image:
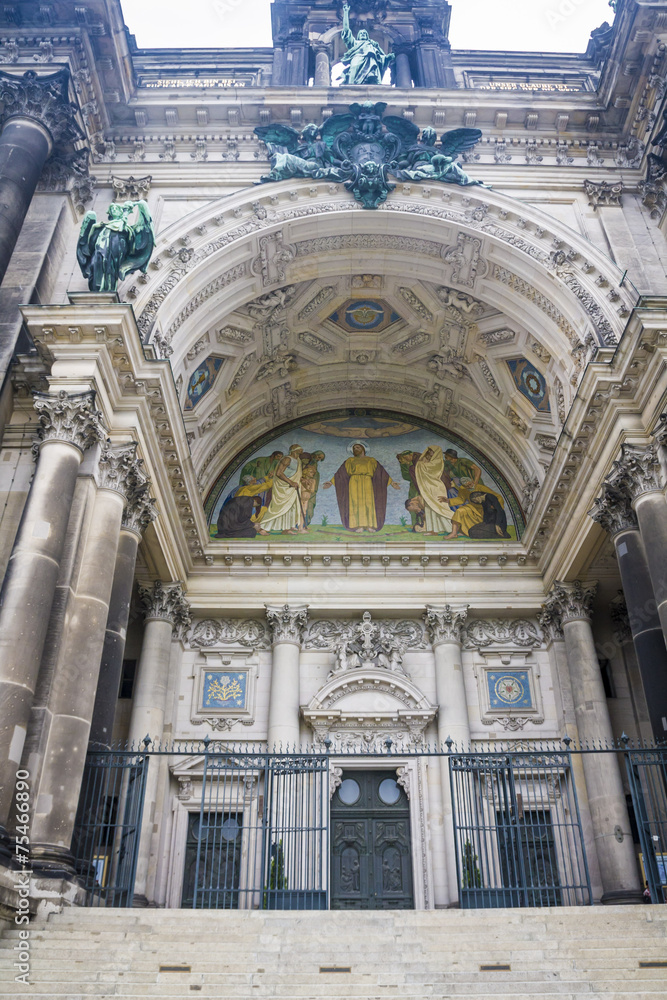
[(647, 775), (262, 838), (517, 830), (108, 825)]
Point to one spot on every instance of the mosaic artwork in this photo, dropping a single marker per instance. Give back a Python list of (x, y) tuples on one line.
[(509, 689), (201, 381), (224, 690), (530, 382), (359, 315), (359, 473)]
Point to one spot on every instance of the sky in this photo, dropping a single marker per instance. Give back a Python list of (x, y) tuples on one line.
[(514, 25)]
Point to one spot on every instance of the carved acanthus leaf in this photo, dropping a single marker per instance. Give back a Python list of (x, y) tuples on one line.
[(44, 99), (70, 417), (445, 624), (613, 511), (168, 603), (568, 602), (287, 622)]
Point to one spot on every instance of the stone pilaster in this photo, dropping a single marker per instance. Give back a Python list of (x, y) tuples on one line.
[(613, 510), (139, 511), (68, 425), (638, 476), (37, 115), (167, 616), (571, 604), (58, 761), (286, 623), (445, 627)]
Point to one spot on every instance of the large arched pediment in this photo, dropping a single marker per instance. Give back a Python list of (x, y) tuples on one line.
[(361, 471)]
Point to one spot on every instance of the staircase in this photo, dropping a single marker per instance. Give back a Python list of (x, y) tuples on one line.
[(566, 953)]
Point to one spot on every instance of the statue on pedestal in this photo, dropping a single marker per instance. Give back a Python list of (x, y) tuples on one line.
[(109, 250), (364, 60)]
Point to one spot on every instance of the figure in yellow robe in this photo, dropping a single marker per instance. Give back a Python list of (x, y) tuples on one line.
[(361, 491)]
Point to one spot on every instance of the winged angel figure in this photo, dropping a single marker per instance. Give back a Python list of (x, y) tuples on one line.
[(111, 249), (361, 149)]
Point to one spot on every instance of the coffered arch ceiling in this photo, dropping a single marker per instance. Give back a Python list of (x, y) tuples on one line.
[(462, 306)]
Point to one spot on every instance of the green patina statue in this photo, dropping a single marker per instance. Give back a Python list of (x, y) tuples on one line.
[(108, 251), (364, 60)]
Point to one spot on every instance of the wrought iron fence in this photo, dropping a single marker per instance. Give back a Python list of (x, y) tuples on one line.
[(258, 837), (517, 830)]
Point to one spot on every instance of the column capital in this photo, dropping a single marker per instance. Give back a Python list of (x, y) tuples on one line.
[(445, 623), (550, 622), (568, 602), (637, 471), (43, 99), (70, 417), (287, 622), (119, 469), (613, 511), (140, 510), (166, 602)]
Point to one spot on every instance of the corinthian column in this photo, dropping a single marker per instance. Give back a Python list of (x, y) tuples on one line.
[(445, 626), (166, 616), (613, 511), (57, 768), (639, 477), (570, 603), (286, 624), (36, 116), (68, 425), (139, 512)]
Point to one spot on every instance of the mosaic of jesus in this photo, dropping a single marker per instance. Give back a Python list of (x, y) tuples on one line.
[(366, 473)]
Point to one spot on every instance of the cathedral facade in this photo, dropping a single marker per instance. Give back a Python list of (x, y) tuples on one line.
[(333, 460)]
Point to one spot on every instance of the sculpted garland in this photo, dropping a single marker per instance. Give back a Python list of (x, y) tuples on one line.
[(363, 148)]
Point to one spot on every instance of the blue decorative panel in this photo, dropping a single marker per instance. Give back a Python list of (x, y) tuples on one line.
[(509, 689), (530, 382), (224, 689), (358, 315), (201, 381)]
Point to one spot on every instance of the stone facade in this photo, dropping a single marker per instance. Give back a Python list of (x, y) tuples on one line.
[(526, 318)]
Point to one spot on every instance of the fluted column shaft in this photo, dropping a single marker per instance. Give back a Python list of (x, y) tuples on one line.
[(445, 624), (68, 426), (166, 612), (286, 625), (606, 796)]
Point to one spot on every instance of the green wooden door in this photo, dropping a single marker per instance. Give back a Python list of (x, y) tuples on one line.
[(371, 864)]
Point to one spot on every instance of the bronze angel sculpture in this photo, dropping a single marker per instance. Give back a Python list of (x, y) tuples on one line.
[(111, 249), (363, 148)]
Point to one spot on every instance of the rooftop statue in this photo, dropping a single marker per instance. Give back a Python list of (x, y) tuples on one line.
[(362, 149), (109, 250), (364, 60)]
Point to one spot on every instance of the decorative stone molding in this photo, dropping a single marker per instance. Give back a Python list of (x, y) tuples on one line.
[(119, 469), (43, 99), (403, 779), (224, 689), (335, 779), (529, 494), (637, 471), (130, 188), (660, 432), (329, 634), (367, 648), (287, 622), (550, 623), (168, 603), (445, 624), (483, 632), (211, 632), (613, 511), (70, 417), (570, 602), (603, 193), (509, 690)]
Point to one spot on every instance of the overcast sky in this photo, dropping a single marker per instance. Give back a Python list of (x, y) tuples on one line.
[(537, 25)]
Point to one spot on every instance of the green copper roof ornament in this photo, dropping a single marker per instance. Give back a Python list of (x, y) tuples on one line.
[(109, 250), (362, 149), (364, 60)]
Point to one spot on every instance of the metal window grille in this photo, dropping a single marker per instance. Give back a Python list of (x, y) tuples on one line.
[(647, 776)]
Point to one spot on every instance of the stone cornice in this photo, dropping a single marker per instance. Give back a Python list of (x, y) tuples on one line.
[(70, 417), (287, 622)]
